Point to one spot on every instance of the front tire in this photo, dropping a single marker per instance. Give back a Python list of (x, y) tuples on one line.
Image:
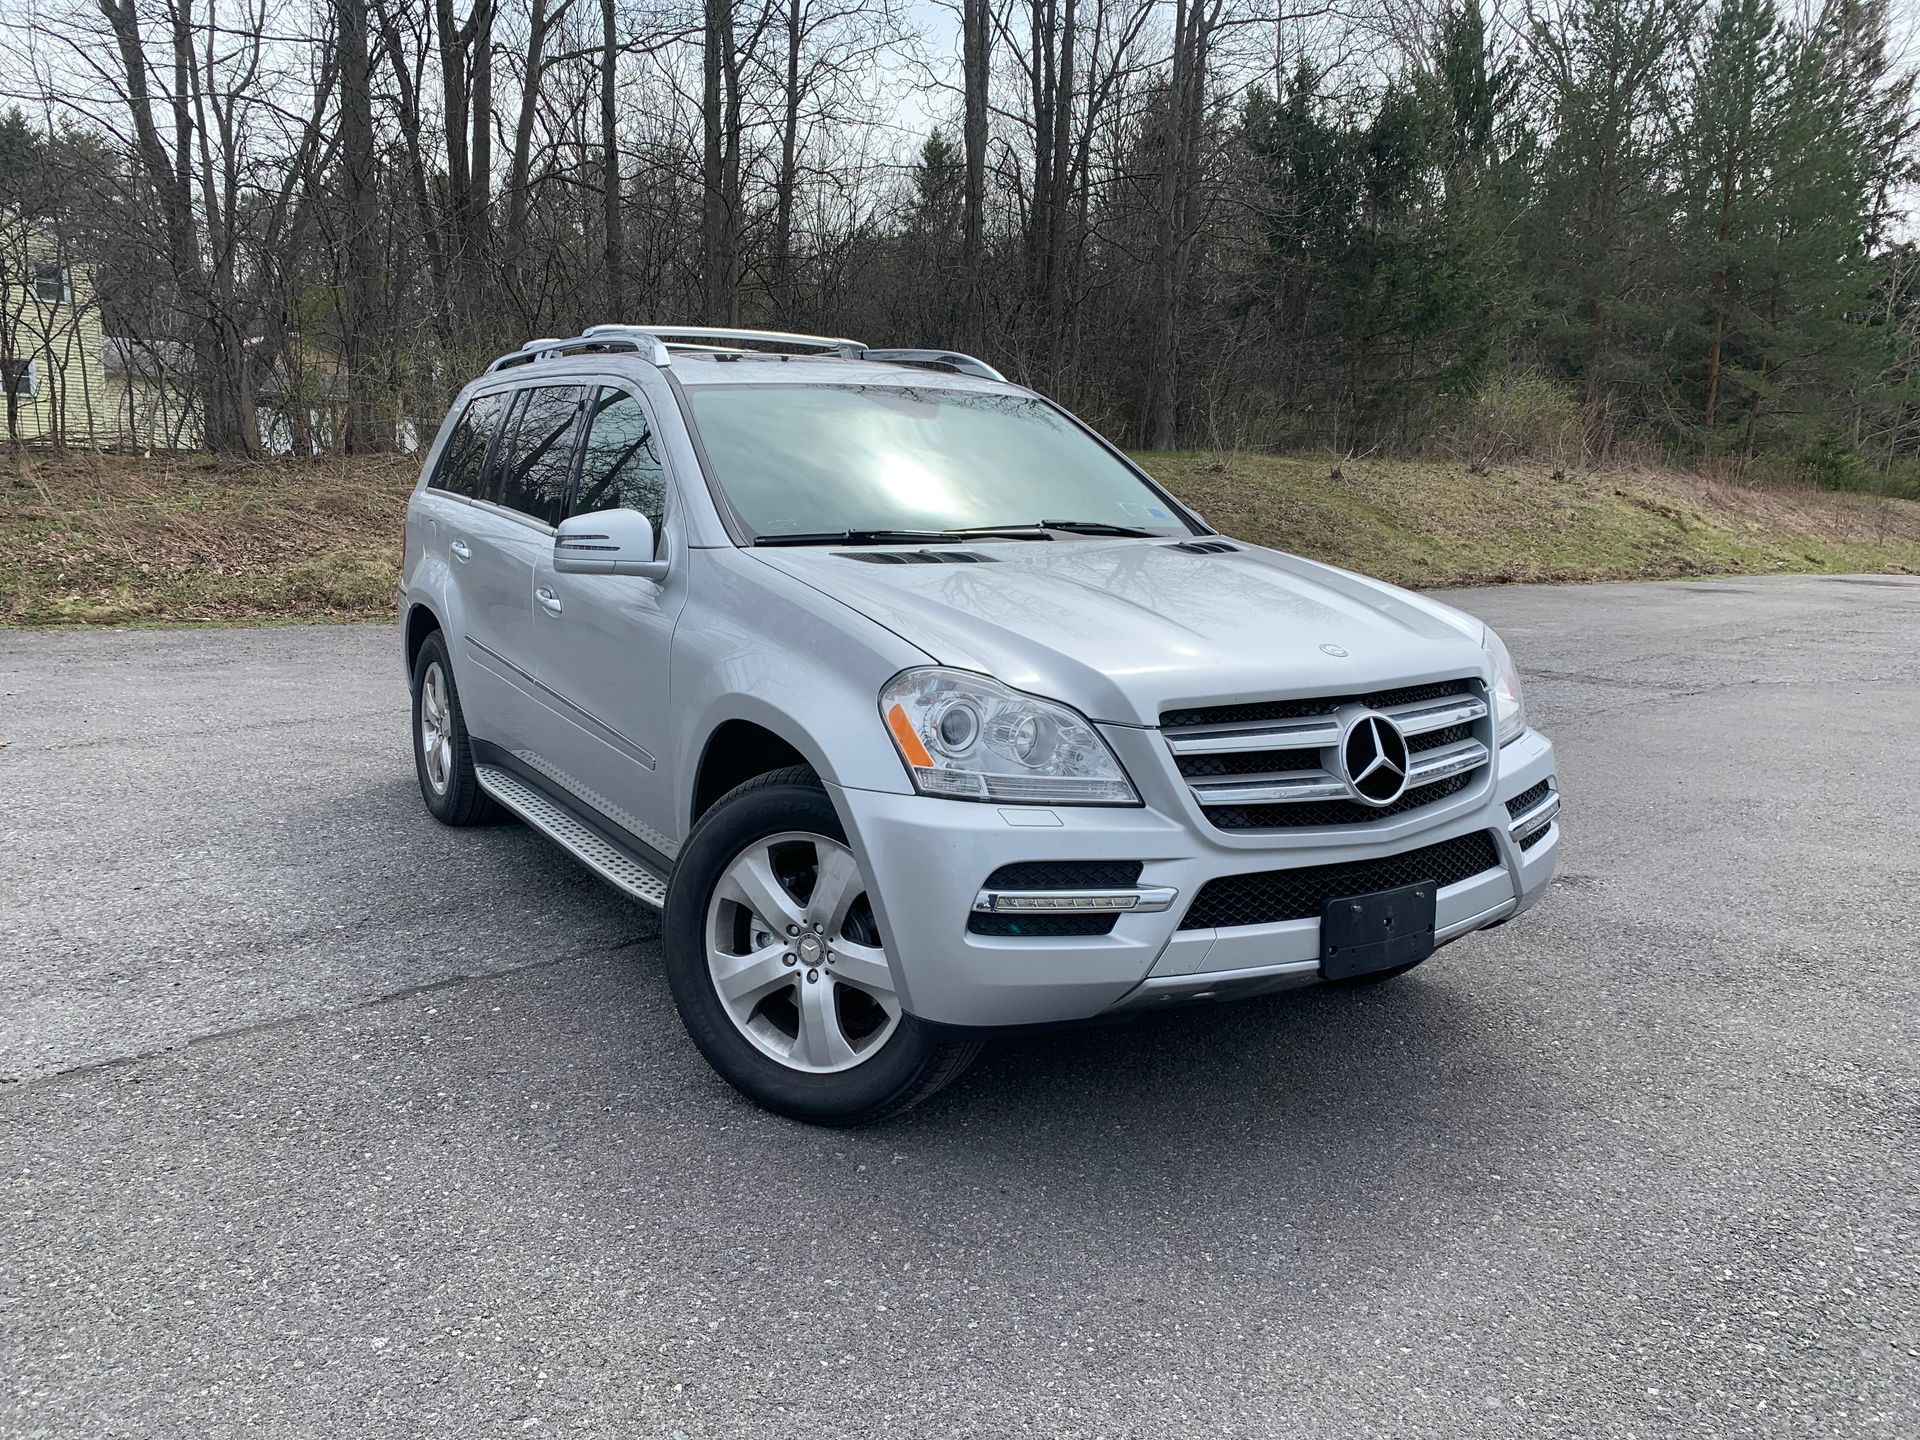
[(779, 970)]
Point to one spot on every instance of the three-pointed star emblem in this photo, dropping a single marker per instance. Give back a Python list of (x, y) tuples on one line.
[(1374, 754)]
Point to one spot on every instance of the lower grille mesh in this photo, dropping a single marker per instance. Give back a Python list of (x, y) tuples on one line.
[(1064, 874), (1271, 896), (1527, 799), (1040, 925)]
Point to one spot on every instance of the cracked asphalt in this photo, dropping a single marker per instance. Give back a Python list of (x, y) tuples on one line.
[(318, 1119)]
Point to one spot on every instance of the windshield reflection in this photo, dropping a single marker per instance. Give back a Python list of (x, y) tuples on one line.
[(806, 459)]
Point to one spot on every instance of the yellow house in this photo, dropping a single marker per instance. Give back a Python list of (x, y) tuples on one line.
[(50, 372), (63, 382), (151, 405)]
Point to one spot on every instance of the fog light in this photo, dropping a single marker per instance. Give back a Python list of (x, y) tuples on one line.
[(1146, 898), (1078, 900), (1538, 820)]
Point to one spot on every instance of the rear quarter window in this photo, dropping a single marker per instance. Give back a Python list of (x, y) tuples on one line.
[(463, 462)]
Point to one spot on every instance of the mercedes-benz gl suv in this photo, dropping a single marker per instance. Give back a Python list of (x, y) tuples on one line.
[(923, 712)]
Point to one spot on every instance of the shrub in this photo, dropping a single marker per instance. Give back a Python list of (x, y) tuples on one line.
[(1519, 415), (1826, 459), (1820, 454)]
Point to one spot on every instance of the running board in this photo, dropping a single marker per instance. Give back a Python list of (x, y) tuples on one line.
[(612, 863)]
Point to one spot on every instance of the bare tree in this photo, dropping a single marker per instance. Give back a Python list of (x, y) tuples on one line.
[(612, 220), (976, 67), (720, 113), (466, 79), (369, 428), (1190, 219)]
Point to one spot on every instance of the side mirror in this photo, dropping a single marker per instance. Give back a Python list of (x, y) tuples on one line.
[(607, 542)]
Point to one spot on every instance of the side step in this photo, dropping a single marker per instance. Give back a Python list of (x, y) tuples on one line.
[(617, 866)]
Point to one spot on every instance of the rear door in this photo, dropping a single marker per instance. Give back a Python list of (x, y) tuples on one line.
[(603, 640), (510, 528), (454, 534)]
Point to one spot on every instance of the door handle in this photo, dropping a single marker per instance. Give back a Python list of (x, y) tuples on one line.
[(549, 601), (460, 550)]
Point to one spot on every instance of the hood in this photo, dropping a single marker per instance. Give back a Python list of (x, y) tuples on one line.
[(1123, 629)]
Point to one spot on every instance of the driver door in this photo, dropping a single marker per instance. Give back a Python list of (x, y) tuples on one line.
[(602, 641)]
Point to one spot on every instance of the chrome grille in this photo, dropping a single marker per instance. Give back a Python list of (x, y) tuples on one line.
[(1254, 712), (1276, 764)]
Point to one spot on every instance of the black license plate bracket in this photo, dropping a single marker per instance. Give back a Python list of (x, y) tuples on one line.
[(1361, 934)]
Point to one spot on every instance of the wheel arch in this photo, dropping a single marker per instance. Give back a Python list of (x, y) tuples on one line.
[(736, 751), (421, 622)]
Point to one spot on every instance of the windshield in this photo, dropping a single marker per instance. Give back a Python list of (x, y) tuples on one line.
[(820, 459)]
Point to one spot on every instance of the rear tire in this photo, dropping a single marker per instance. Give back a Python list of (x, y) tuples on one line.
[(769, 905), (442, 751)]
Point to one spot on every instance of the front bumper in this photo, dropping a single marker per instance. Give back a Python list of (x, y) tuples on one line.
[(927, 860)]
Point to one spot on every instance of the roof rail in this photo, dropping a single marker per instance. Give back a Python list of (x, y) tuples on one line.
[(655, 344), (946, 359), (722, 332), (550, 349)]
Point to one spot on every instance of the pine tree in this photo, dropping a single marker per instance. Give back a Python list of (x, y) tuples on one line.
[(1799, 350), (1732, 151), (1388, 266), (1607, 71)]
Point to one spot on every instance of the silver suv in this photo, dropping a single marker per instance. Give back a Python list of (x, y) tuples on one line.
[(922, 712)]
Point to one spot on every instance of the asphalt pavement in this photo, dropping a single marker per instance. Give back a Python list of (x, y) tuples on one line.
[(318, 1119)]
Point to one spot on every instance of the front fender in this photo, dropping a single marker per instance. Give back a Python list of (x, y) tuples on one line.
[(755, 645)]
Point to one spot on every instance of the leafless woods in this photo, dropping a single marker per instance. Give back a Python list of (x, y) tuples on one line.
[(1197, 221)]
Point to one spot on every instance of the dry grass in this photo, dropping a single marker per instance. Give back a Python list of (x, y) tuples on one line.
[(111, 540), (1429, 523), (122, 541)]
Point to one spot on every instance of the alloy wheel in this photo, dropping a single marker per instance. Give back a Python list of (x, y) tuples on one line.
[(436, 728), (795, 956)]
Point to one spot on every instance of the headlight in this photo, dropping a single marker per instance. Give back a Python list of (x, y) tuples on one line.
[(970, 738), (1509, 708)]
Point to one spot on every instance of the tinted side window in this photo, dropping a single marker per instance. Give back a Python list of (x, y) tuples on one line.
[(620, 468), (531, 473), (465, 455)]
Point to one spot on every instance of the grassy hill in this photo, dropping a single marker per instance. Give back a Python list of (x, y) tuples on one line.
[(1433, 523), (113, 540)]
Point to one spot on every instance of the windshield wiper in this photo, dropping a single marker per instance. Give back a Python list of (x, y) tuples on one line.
[(901, 537), (1074, 527), (1096, 527), (1036, 531), (861, 537)]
